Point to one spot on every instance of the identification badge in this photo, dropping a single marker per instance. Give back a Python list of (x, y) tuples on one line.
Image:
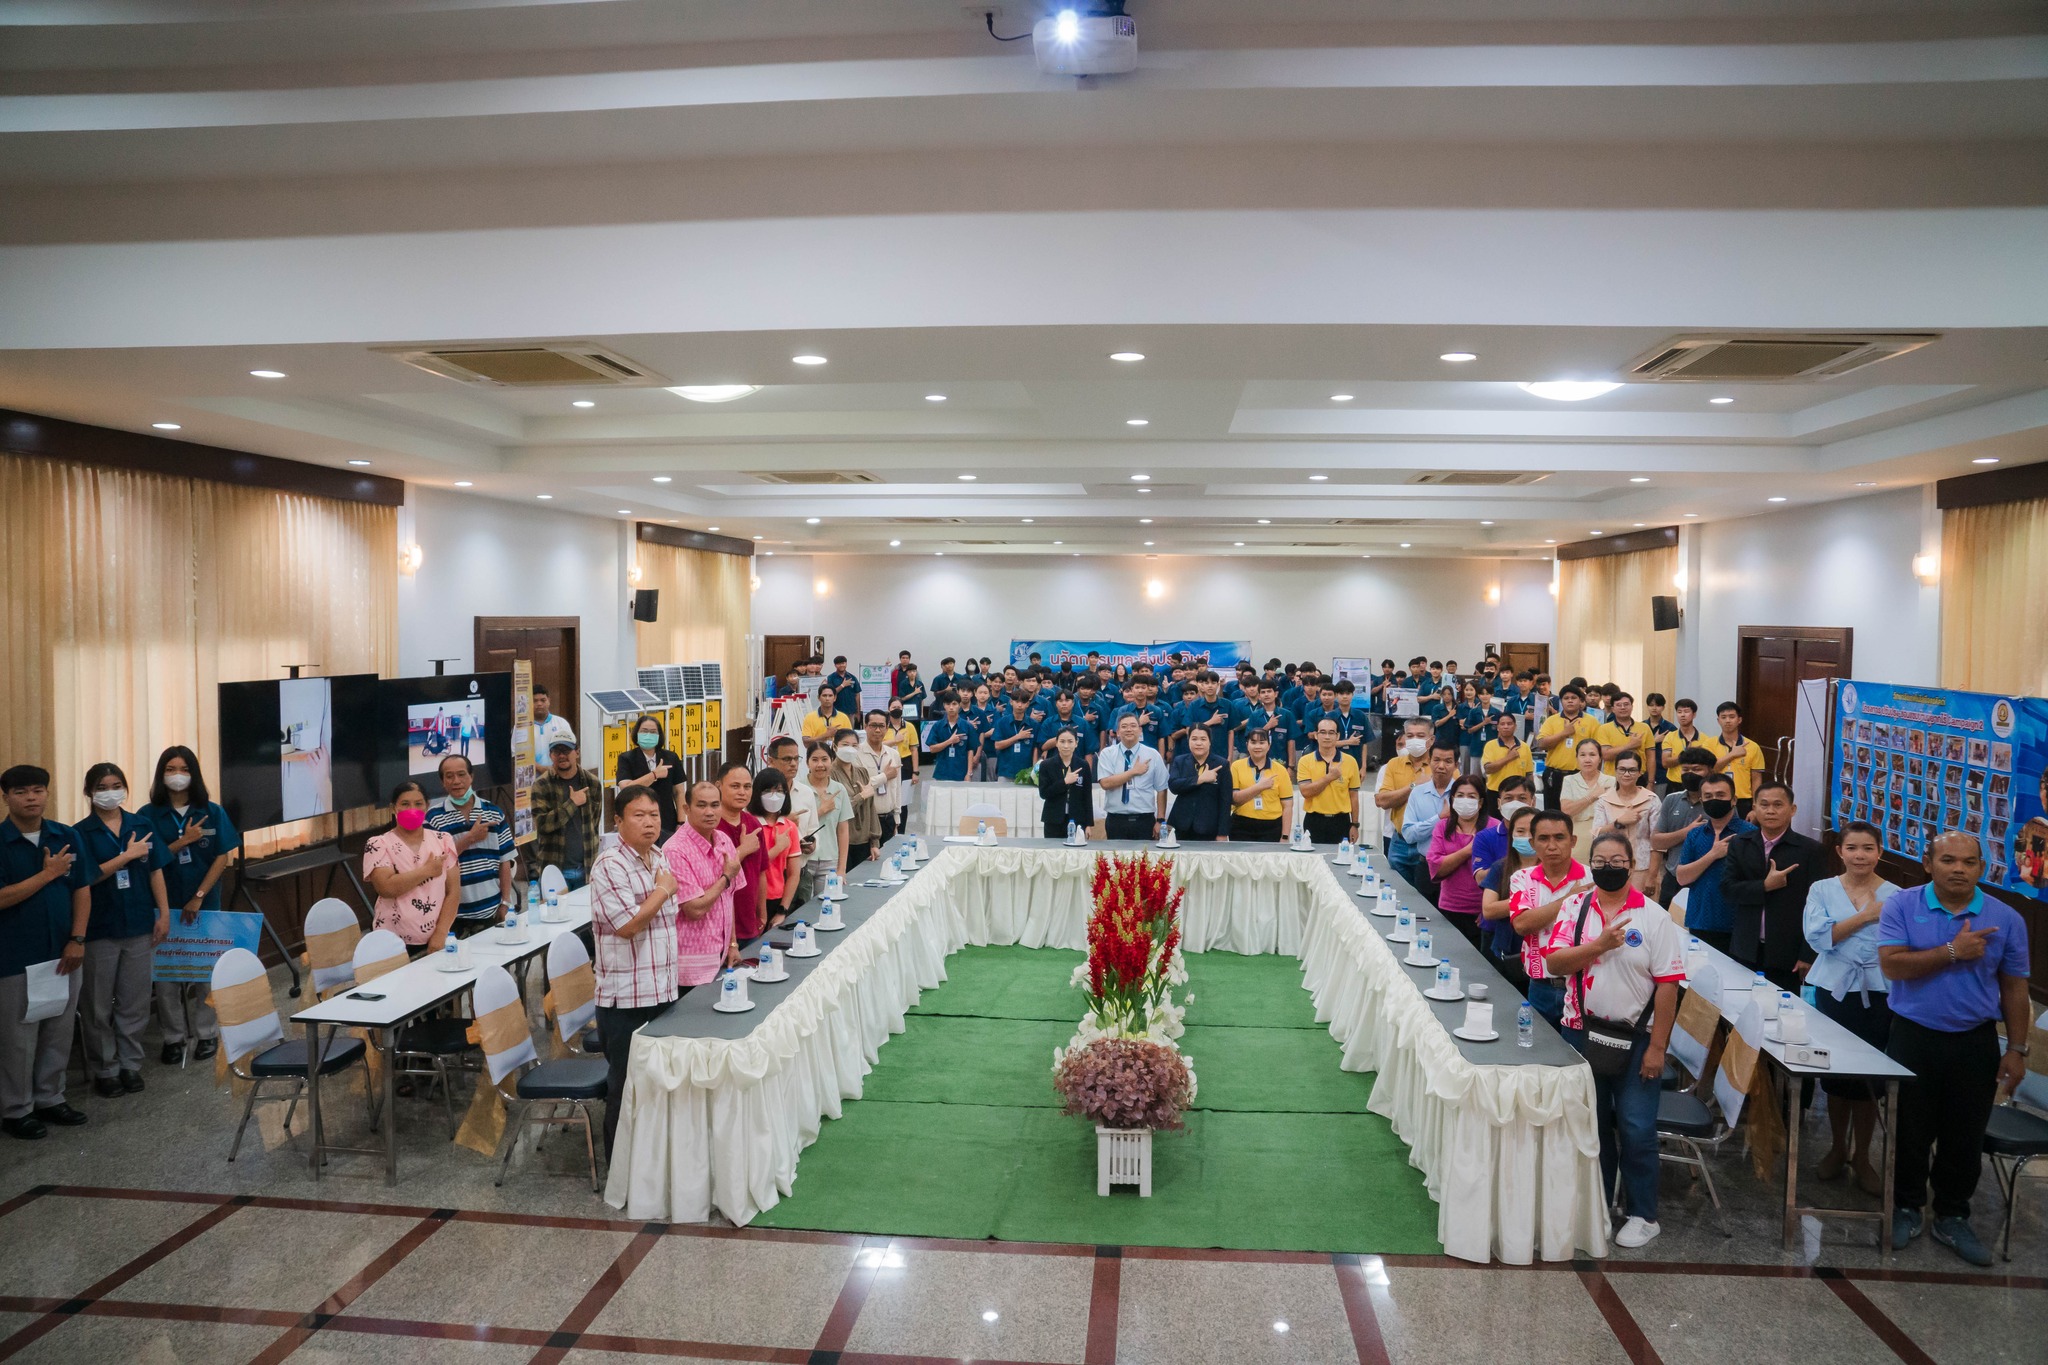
[(121, 880), (1259, 802), (185, 856)]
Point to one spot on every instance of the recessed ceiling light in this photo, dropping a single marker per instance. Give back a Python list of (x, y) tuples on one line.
[(582, 403), (811, 521), (1406, 545), (1486, 523), (1690, 514), (967, 478), (1127, 356), (1595, 533), (1029, 520), (1568, 390), (1985, 459), (1139, 478), (1720, 400), (1780, 499), (1867, 483), (990, 1315), (895, 544), (1059, 542), (1144, 521), (1075, 553), (1457, 357), (1136, 422), (1640, 478), (167, 426), (545, 497), (769, 553), (1319, 478), (807, 359), (1642, 523), (711, 528), (268, 374), (1148, 544), (713, 393), (1238, 543), (1144, 490), (625, 511), (938, 554), (935, 398), (464, 483), (1265, 521), (1550, 542), (1279, 1326), (661, 478), (360, 464), (1341, 397), (1365, 556)]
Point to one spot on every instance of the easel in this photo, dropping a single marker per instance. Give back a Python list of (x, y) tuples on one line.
[(327, 855)]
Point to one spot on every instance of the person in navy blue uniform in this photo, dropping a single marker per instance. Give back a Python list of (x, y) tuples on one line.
[(1153, 719), (951, 742), (1107, 687), (201, 842), (1012, 738), (946, 679), (45, 904), (1354, 725), (1275, 721), (845, 688), (1210, 710), (131, 914), (1067, 716)]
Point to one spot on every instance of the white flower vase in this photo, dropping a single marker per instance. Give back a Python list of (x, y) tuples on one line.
[(1123, 1156)]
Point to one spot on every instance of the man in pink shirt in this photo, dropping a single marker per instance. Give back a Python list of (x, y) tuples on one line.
[(706, 870)]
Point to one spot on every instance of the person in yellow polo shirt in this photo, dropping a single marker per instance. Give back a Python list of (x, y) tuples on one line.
[(1622, 734), (1506, 756), (1676, 742), (1742, 759), (1329, 788), (820, 723), (1260, 791), (1558, 741), (1409, 765)]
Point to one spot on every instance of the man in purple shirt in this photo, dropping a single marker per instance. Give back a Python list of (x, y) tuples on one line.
[(1957, 963)]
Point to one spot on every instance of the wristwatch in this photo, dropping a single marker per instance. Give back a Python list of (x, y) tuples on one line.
[(79, 939)]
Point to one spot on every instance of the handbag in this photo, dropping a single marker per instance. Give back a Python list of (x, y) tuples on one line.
[(1608, 1043)]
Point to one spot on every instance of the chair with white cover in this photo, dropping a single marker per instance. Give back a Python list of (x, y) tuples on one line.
[(552, 882), (332, 932), (572, 990), (252, 1038), (422, 1047), (572, 1083), (2018, 1134), (1677, 907), (1683, 1119)]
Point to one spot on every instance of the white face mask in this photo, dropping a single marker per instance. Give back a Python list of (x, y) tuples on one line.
[(112, 799), (1466, 807), (1508, 809), (1415, 748), (177, 782), (771, 802), (848, 753)]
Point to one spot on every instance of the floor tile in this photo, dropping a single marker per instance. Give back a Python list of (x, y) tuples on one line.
[(1965, 1324), (145, 1341), (719, 1289), (287, 1259), (939, 1303), (496, 1273), (1712, 1319), (1447, 1317), (1173, 1312), (376, 1348), (636, 1358), (57, 1246)]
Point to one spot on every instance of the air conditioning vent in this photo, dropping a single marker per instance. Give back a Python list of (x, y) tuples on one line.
[(928, 521), (1769, 359), (1480, 478), (1377, 521), (539, 365), (815, 477)]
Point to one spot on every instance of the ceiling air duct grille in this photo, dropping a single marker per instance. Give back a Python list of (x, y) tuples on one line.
[(815, 477), (1768, 359), (1377, 521), (535, 365), (1480, 478)]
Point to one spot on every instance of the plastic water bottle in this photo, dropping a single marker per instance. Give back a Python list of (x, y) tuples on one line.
[(512, 918), (1758, 983), (981, 829), (533, 897), (1070, 831), (554, 900), (1344, 850), (452, 954), (1525, 1026), (1422, 947)]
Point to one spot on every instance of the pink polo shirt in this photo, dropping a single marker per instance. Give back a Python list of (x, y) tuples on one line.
[(697, 865)]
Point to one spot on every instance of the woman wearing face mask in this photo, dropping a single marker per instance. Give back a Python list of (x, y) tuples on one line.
[(1841, 927), (864, 824), (1631, 808), (1581, 793), (749, 899), (131, 914), (414, 872), (1066, 787), (835, 808), (201, 841), (650, 763), (1450, 849), (782, 856), (1504, 880)]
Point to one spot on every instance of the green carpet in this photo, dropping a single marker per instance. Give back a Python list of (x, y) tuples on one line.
[(959, 1133)]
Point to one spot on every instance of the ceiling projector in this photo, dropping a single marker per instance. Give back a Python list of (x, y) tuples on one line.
[(1074, 43)]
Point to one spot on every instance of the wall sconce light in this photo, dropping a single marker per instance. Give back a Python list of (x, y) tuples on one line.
[(822, 586), (1493, 594), (633, 574), (1679, 580), (410, 557), (1155, 588), (1927, 568)]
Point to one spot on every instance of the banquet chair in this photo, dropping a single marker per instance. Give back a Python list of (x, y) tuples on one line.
[(332, 933), (971, 823), (552, 881), (252, 1040), (424, 1046), (574, 1082), (572, 990), (1677, 907), (2016, 1134), (1683, 1119)]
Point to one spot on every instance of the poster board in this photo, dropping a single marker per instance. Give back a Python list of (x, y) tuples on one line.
[(1404, 701), (1356, 671), (874, 687), (693, 729), (524, 770), (188, 953)]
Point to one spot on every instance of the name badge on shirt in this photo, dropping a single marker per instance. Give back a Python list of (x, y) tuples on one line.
[(121, 880), (185, 856), (1259, 802)]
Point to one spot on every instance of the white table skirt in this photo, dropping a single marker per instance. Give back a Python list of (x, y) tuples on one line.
[(941, 804), (1510, 1153)]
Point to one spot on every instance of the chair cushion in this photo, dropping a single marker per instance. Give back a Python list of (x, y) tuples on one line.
[(2015, 1132), (593, 1042), (1682, 1114), (571, 1078), (436, 1037), (289, 1059)]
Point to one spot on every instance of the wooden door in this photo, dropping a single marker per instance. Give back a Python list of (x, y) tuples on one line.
[(548, 643), (1524, 657), (1771, 662), (780, 653)]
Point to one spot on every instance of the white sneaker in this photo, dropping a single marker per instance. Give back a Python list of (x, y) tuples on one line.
[(1636, 1232)]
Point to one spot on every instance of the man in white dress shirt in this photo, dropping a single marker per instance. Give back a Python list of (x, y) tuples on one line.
[(1132, 776)]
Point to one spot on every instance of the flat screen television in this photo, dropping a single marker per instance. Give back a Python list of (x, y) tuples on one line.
[(423, 721), (294, 748)]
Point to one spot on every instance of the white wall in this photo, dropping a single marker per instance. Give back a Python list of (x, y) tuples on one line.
[(1847, 563), (870, 606), (489, 557)]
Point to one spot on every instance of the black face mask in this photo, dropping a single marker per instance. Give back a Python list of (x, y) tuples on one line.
[(1610, 878), (1717, 809), (1693, 782)]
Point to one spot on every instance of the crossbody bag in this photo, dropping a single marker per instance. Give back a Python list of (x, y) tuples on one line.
[(1608, 1042)]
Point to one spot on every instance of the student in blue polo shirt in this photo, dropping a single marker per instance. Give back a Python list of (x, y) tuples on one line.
[(946, 678), (1067, 716), (1090, 702), (483, 845), (1107, 687), (845, 687), (45, 906), (131, 914), (1275, 721), (1011, 739), (1354, 722), (951, 741), (978, 708), (201, 840), (1957, 964), (1210, 711), (1153, 718)]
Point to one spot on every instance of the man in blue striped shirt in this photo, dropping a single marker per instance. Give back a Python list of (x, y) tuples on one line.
[(483, 843)]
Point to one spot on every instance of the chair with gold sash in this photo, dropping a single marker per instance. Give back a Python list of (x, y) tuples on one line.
[(332, 932), (252, 1046), (566, 1087)]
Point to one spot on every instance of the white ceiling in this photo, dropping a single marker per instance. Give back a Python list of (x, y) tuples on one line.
[(1289, 200)]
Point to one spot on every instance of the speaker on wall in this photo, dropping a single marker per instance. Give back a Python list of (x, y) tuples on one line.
[(1664, 613), (644, 603)]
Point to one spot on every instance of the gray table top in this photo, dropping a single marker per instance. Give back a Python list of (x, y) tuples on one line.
[(693, 1017)]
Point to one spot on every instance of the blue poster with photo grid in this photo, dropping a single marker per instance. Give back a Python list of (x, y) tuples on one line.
[(1919, 761)]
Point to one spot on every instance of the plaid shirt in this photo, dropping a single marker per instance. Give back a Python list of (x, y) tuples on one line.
[(697, 864), (632, 973), (553, 813)]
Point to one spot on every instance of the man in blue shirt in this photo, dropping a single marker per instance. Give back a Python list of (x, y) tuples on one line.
[(1708, 916), (45, 905), (1090, 702), (1066, 716), (1490, 845), (1208, 709), (1957, 964), (1012, 738), (1278, 723), (1132, 775), (483, 847), (1425, 807), (845, 687), (946, 678), (951, 741), (1037, 697), (1106, 685)]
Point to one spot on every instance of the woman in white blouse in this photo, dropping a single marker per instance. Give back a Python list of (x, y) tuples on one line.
[(1849, 987), (1581, 792), (1631, 808)]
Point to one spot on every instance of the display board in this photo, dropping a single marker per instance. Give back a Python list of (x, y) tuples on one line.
[(421, 721), (524, 764), (190, 950), (295, 748), (1217, 654), (1917, 761)]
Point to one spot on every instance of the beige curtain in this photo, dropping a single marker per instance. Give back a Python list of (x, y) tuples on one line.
[(1603, 621), (129, 596), (704, 613), (1994, 598)]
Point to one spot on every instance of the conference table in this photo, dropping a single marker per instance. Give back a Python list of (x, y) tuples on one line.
[(718, 1107)]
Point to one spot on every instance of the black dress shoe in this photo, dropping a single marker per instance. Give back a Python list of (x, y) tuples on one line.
[(205, 1049), (172, 1055), (108, 1087), (28, 1128), (63, 1115), (131, 1081)]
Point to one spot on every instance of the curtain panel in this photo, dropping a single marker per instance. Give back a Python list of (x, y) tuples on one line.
[(1603, 622), (1994, 598), (129, 596), (705, 609)]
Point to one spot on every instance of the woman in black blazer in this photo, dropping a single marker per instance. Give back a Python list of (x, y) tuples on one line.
[(650, 763), (1201, 791), (1066, 787)]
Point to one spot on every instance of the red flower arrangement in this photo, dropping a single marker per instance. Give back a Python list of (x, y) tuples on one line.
[(1137, 910)]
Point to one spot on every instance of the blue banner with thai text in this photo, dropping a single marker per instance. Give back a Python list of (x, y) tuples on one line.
[(1052, 653)]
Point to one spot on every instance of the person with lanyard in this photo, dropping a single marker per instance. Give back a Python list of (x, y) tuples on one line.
[(1474, 721), (1505, 755), (833, 806), (951, 741), (1742, 759), (1521, 703), (1653, 706), (1200, 783), (781, 845), (1840, 924), (131, 914), (911, 692), (1355, 734), (1383, 706), (1621, 959), (707, 874), (1065, 716), (864, 784), (201, 841), (1328, 780), (46, 877), (1066, 787), (903, 736), (650, 763), (1557, 739), (1089, 703), (1676, 817), (1770, 870), (1958, 965), (1261, 791), (567, 800), (1037, 697), (547, 726), (1621, 733), (1132, 776), (737, 822), (1442, 710), (1501, 877), (1398, 776), (1011, 740), (633, 927), (1267, 717), (977, 708), (483, 843), (1449, 857), (1427, 800), (1320, 702), (881, 757), (1551, 881), (413, 870), (1632, 809), (1153, 719), (1700, 865), (845, 687)]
